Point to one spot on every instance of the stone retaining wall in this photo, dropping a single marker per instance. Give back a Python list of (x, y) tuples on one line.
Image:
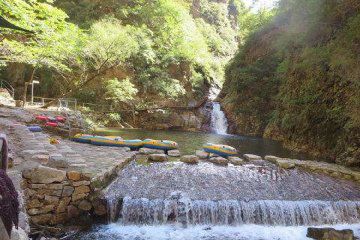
[(55, 196)]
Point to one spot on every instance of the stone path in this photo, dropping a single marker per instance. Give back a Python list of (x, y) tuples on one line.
[(30, 150)]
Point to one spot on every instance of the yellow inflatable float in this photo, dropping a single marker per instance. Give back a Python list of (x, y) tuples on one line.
[(160, 144), (115, 141), (221, 150)]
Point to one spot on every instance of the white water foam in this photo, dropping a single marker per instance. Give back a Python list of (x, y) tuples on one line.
[(174, 232), (219, 124)]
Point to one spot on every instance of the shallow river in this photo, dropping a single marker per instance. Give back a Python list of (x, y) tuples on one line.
[(256, 201), (191, 141)]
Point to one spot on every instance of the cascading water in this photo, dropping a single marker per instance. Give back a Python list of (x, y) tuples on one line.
[(219, 124), (182, 210)]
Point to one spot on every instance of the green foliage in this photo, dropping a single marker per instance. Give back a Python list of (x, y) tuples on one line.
[(119, 91), (296, 79), (55, 42)]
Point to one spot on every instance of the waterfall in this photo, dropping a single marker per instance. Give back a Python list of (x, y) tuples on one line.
[(185, 211), (219, 124)]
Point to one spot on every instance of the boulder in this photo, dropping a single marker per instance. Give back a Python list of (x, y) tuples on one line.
[(191, 159), (72, 211), (150, 151), (252, 157), (43, 174), (158, 157), (330, 234), (236, 161), (174, 153), (219, 161), (202, 154), (85, 205)]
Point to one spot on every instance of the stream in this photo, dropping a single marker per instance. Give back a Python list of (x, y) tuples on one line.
[(255, 201)]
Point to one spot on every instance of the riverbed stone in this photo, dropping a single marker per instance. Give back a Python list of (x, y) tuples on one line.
[(72, 211), (158, 157), (202, 154), (43, 174), (190, 159), (174, 153), (148, 151), (252, 157), (219, 161), (286, 164), (329, 234), (85, 205), (271, 158), (236, 161)]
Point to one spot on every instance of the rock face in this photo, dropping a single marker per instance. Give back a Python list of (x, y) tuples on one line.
[(252, 157), (236, 160), (158, 157), (43, 174), (219, 161), (330, 234), (191, 159)]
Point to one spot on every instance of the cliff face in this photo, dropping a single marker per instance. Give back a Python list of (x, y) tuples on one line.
[(297, 80)]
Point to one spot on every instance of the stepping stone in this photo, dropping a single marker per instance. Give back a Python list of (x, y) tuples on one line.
[(191, 159), (252, 157), (174, 153), (219, 161), (158, 157), (236, 161)]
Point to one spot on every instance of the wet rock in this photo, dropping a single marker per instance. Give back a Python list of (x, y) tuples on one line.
[(252, 157), (150, 151), (236, 160), (158, 157), (72, 211), (99, 208), (174, 153), (330, 234), (191, 159), (58, 161), (202, 154), (85, 205), (74, 175), (270, 158), (286, 164), (43, 174), (219, 161)]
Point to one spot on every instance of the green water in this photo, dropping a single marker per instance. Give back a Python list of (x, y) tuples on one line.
[(191, 141)]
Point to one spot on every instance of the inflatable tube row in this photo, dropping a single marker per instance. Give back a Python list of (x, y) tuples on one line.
[(160, 144), (221, 150)]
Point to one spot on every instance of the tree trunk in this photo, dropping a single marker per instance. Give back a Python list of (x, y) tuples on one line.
[(27, 84)]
